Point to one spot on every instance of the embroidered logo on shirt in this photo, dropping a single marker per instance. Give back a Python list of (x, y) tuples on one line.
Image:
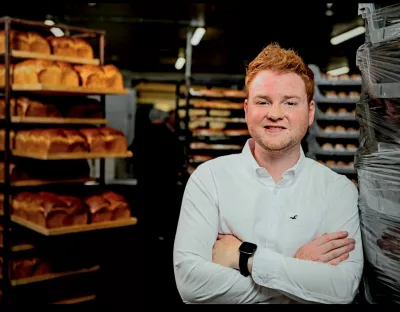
[(294, 217)]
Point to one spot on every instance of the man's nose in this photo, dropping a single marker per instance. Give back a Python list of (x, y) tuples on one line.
[(275, 112)]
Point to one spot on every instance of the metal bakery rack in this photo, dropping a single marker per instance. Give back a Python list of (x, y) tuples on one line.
[(211, 118), (73, 250), (333, 137)]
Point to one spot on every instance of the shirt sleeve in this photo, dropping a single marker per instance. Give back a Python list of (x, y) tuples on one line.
[(314, 281), (198, 279)]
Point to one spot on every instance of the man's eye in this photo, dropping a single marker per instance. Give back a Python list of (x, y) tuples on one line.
[(261, 102), (291, 103)]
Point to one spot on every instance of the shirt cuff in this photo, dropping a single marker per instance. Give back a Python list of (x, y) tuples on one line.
[(266, 263)]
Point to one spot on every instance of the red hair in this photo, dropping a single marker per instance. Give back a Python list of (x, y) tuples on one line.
[(280, 60)]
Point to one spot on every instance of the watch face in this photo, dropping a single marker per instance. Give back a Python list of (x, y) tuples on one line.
[(248, 248)]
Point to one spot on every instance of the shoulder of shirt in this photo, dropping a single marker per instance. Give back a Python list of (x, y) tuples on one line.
[(336, 179), (220, 163)]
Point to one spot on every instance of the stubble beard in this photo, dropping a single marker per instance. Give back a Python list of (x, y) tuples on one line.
[(284, 144)]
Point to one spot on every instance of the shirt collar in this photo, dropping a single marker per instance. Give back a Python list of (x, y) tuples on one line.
[(258, 171)]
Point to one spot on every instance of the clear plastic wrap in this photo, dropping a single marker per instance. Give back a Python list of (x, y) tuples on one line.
[(377, 160)]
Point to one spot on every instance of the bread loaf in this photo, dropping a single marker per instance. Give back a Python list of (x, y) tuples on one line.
[(236, 132), (93, 76), (107, 207), (234, 93), (50, 141), (25, 41), (210, 93), (26, 107), (330, 163), (71, 47), (32, 169), (105, 140), (45, 72), (34, 266), (50, 210), (89, 108), (58, 140), (219, 105)]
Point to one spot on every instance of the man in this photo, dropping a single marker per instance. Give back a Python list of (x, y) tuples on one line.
[(269, 225)]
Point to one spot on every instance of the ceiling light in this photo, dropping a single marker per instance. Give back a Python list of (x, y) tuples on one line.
[(338, 71), (348, 35), (198, 34), (329, 5), (57, 32), (180, 62), (49, 22), (329, 13)]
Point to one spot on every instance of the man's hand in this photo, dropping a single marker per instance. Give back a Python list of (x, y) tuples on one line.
[(331, 248), (226, 251)]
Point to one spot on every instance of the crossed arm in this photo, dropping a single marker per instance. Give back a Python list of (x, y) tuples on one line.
[(200, 280)]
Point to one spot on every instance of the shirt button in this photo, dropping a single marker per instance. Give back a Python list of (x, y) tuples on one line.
[(275, 191)]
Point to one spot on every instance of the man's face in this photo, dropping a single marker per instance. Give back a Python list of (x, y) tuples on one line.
[(277, 111)]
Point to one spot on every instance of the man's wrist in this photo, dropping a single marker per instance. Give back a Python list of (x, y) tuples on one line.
[(250, 264)]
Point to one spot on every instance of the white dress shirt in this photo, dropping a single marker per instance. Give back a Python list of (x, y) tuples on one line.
[(234, 195)]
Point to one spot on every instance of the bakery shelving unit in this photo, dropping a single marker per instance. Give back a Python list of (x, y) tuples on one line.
[(211, 119), (76, 266), (333, 137)]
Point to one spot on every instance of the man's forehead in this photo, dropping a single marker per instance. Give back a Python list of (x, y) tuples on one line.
[(267, 80)]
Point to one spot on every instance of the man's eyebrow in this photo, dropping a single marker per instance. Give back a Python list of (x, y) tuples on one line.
[(285, 97), (291, 97)]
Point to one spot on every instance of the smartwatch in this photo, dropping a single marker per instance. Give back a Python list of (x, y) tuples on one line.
[(246, 250)]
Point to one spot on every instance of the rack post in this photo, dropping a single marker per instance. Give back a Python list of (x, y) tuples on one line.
[(7, 157), (103, 108), (188, 78)]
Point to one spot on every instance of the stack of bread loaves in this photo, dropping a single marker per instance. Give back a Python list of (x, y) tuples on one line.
[(53, 211), (46, 72)]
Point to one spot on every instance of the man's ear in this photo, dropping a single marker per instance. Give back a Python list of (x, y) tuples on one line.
[(311, 112), (245, 109)]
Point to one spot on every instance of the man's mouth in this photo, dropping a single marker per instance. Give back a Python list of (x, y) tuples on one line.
[(275, 128)]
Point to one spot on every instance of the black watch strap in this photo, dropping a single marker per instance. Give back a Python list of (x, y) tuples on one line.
[(243, 261)]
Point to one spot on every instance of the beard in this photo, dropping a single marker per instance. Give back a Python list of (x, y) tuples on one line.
[(277, 143)]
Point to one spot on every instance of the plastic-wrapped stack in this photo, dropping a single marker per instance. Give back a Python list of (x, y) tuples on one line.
[(377, 160)]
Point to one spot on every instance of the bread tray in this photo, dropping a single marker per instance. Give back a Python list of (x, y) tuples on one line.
[(37, 182), (74, 228), (80, 155), (58, 120), (63, 90), (51, 57), (50, 276), (76, 300)]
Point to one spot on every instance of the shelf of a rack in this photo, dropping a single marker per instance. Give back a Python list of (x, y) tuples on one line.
[(337, 135), (51, 57), (74, 228), (37, 182), (57, 120), (63, 90), (51, 276), (334, 152), (78, 155), (333, 83), (76, 300)]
